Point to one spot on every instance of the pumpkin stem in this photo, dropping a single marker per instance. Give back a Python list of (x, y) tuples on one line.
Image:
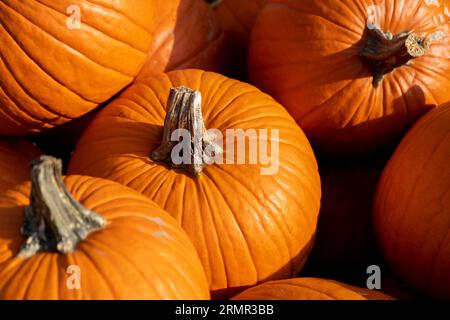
[(184, 120), (54, 220), (384, 51)]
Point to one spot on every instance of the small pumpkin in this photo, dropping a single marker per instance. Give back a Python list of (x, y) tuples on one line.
[(356, 75), (190, 36), (236, 216), (309, 289), (412, 206), (15, 156), (237, 18), (93, 235)]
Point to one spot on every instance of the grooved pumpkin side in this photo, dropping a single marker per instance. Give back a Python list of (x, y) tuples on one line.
[(141, 252), (412, 206), (61, 59), (355, 74), (247, 227)]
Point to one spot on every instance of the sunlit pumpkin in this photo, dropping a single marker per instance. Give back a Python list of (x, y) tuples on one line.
[(247, 225), (354, 74), (89, 238)]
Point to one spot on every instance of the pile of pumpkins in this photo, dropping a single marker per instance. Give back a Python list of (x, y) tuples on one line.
[(358, 91)]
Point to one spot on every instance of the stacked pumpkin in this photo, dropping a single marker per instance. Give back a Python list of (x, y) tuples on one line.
[(334, 88)]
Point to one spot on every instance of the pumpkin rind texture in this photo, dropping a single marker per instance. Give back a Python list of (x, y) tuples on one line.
[(60, 59), (309, 289), (140, 254), (306, 54), (412, 206), (15, 157), (247, 227)]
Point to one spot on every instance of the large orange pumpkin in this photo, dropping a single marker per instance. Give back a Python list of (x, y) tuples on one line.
[(248, 227), (189, 37), (309, 289), (15, 156), (89, 238), (412, 206), (62, 58), (237, 18), (354, 74)]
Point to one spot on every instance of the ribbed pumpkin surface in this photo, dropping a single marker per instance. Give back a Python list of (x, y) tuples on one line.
[(412, 207), (306, 54), (140, 254), (50, 73), (246, 227)]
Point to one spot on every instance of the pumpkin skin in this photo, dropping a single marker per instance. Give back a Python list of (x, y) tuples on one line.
[(237, 18), (140, 254), (191, 37), (50, 74), (15, 157), (306, 55), (235, 216), (412, 206), (309, 289)]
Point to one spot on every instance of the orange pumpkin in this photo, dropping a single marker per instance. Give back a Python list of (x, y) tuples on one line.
[(354, 74), (93, 235), (247, 227), (15, 156), (189, 37), (412, 206), (61, 59), (237, 18), (309, 289)]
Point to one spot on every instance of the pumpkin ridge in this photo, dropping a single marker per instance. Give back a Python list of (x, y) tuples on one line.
[(48, 75), (131, 46), (303, 12), (54, 37), (105, 6), (26, 92)]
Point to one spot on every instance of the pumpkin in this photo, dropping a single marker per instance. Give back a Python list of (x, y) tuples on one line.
[(237, 18), (89, 238), (345, 241), (190, 36), (412, 206), (237, 214), (61, 59), (309, 289), (354, 74), (15, 156)]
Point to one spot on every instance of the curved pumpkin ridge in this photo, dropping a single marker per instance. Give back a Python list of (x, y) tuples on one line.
[(418, 179), (109, 271), (61, 92), (207, 207), (309, 289), (314, 70)]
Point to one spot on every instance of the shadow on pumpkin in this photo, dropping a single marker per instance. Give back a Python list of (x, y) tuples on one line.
[(384, 133), (196, 42)]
